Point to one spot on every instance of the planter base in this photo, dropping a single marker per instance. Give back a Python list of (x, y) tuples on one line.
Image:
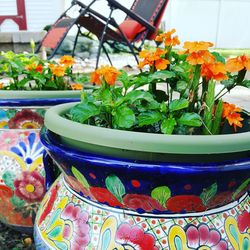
[(66, 220)]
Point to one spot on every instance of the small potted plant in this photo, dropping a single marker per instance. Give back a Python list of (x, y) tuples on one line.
[(29, 85), (154, 160)]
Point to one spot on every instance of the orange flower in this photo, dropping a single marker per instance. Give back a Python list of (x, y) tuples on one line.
[(196, 46), (168, 39), (58, 71), (1, 85), (67, 61), (108, 73), (216, 71), (39, 68), (238, 63), (200, 57), (230, 113), (153, 59), (76, 86)]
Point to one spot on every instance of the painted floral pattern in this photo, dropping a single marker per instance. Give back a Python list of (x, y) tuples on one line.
[(161, 198), (30, 186), (76, 229), (203, 236), (21, 172), (72, 221)]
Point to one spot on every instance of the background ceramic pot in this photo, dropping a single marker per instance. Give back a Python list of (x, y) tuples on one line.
[(182, 201), (22, 182)]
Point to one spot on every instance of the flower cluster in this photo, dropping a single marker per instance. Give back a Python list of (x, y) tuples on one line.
[(174, 93), (29, 71)]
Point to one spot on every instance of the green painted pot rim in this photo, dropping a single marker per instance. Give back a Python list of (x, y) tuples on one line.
[(37, 94), (138, 141)]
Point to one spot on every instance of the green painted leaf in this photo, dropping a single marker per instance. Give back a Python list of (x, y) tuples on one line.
[(123, 117), (53, 217), (167, 126), (9, 178), (149, 118), (17, 202), (61, 245), (190, 119), (55, 232), (161, 194), (209, 193), (178, 104), (240, 188), (80, 177), (115, 186), (83, 111)]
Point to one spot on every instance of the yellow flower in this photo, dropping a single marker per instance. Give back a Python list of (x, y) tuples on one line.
[(58, 71), (168, 39), (196, 46), (238, 63)]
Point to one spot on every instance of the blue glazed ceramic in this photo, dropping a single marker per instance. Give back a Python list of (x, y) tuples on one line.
[(150, 186)]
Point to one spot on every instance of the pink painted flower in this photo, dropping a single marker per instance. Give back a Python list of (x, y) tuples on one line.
[(8, 139), (203, 236), (135, 236), (30, 186), (76, 228)]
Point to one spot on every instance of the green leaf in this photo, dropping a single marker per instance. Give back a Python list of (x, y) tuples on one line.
[(209, 193), (79, 176), (161, 194), (149, 118), (178, 104), (190, 119), (136, 95), (178, 69), (228, 83), (83, 111), (123, 117), (115, 186), (140, 81), (161, 75), (9, 177), (218, 57), (246, 83), (181, 86), (125, 79), (163, 107), (240, 188), (167, 126), (17, 202)]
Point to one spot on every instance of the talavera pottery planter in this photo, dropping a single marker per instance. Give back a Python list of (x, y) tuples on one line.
[(22, 184), (129, 190)]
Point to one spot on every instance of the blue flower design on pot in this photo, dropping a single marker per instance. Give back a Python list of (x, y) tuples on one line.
[(30, 150)]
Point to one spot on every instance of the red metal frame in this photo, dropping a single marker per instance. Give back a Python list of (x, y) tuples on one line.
[(20, 18)]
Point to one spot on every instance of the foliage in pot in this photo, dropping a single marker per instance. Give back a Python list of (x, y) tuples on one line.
[(29, 87), (171, 167)]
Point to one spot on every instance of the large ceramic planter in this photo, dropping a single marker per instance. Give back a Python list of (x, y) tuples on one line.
[(128, 190), (22, 174)]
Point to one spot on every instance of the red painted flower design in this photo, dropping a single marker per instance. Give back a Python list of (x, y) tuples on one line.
[(140, 201), (243, 221), (76, 228), (30, 186), (188, 203), (135, 236), (26, 119), (203, 236)]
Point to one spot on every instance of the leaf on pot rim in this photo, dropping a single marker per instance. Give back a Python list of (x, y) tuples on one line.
[(161, 194), (115, 186), (209, 193), (80, 177)]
